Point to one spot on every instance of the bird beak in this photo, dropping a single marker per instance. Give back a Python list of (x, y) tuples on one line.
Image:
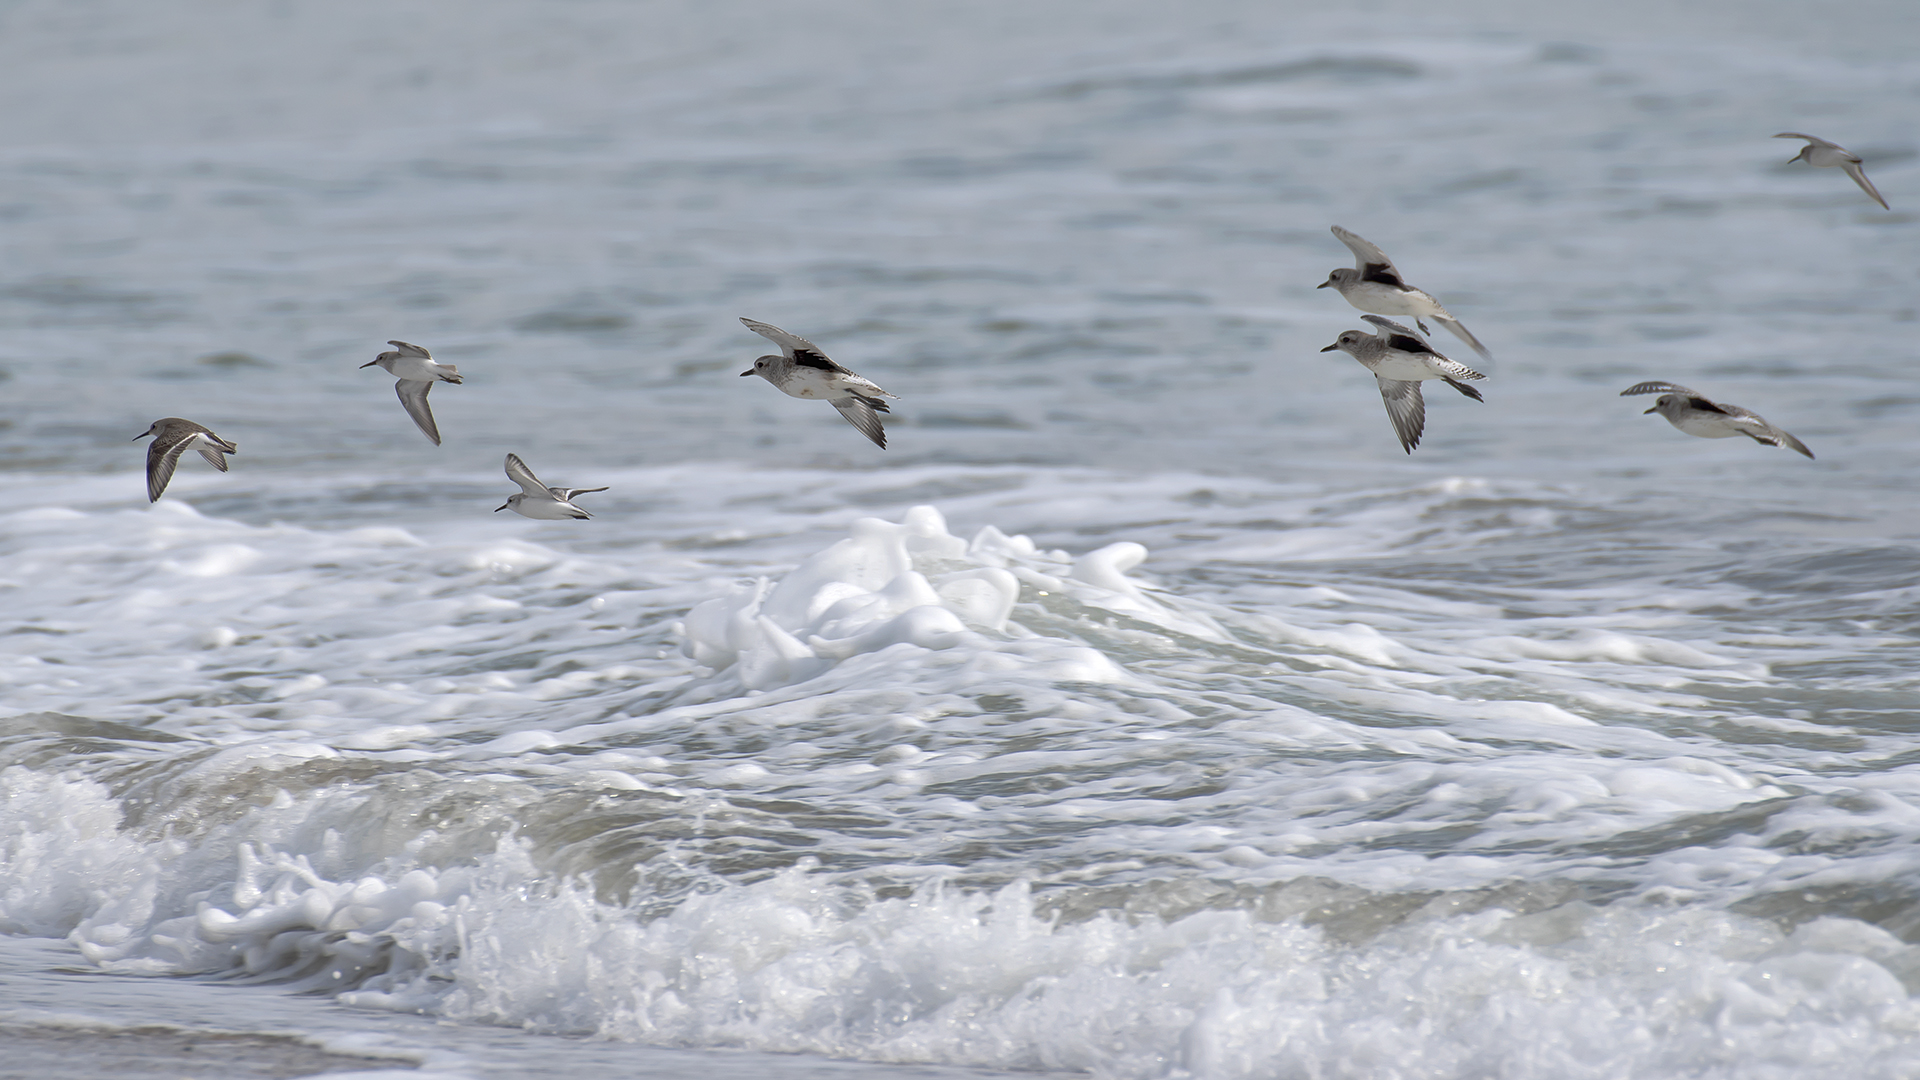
[(1655, 409), (501, 507), (1332, 347), (746, 373), (140, 436), (370, 363), (1324, 284)]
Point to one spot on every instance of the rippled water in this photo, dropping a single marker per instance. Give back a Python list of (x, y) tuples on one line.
[(1144, 710)]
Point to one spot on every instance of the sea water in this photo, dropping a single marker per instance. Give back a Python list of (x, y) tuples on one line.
[(1144, 710)]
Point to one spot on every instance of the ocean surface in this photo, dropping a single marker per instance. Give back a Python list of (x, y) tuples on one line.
[(1143, 711)]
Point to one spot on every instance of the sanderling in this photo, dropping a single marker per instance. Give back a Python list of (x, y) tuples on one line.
[(1822, 154), (1374, 285), (539, 501), (803, 371), (1399, 361), (417, 372), (171, 435), (1695, 415)]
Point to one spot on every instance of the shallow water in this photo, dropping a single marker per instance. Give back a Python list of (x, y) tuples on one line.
[(1144, 710)]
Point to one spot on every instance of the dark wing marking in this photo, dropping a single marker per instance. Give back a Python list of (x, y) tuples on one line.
[(1410, 344), (1464, 388), (813, 359), (1707, 406), (1384, 273)]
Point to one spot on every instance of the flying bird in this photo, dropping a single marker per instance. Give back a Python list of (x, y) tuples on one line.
[(803, 371), (1695, 415), (1375, 285), (417, 372), (171, 436), (1400, 362), (538, 501), (1822, 154)]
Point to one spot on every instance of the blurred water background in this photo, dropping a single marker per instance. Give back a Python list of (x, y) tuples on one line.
[(1142, 711)]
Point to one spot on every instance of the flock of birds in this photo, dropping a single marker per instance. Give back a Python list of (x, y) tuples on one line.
[(1399, 358)]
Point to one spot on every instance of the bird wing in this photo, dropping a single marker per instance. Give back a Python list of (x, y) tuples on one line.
[(213, 448), (162, 455), (567, 494), (1369, 260), (409, 349), (518, 472), (413, 395), (1399, 337), (1387, 328), (1860, 177), (1814, 139), (863, 387), (1463, 334), (1406, 408), (1756, 427), (1659, 386), (1792, 443), (798, 349), (864, 413)]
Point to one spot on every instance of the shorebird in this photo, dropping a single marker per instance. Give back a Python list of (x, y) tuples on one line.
[(417, 372), (803, 371), (538, 501), (171, 436), (1695, 415), (1400, 362), (1375, 285), (1822, 154)]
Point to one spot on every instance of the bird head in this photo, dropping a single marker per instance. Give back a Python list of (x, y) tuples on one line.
[(1348, 340)]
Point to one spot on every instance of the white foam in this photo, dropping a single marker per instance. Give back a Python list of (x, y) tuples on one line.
[(913, 585)]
